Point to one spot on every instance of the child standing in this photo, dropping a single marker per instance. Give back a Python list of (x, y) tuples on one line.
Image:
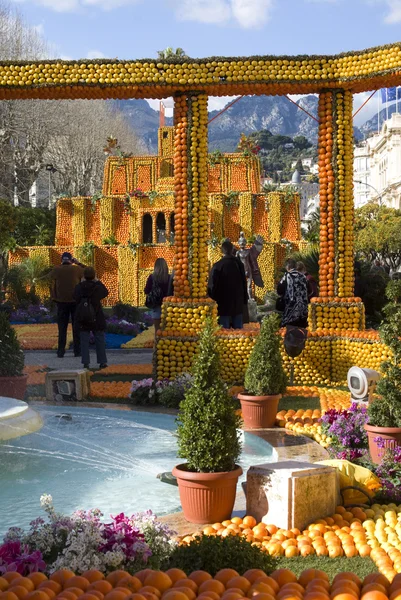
[(89, 316)]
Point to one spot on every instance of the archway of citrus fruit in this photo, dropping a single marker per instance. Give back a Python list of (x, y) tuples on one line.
[(190, 81)]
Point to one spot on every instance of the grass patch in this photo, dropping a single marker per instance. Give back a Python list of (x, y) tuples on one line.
[(358, 565), (297, 402)]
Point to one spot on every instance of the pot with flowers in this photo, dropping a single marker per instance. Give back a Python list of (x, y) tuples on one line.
[(265, 379), (12, 379), (209, 439), (384, 426)]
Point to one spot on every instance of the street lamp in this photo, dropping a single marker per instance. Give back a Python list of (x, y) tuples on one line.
[(50, 169), (373, 188)]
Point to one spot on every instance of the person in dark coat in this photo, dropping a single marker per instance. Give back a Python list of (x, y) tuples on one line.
[(313, 291), (64, 279), (228, 287), (90, 287), (293, 289), (161, 277)]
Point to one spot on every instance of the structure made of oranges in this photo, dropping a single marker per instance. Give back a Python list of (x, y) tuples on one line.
[(186, 318), (344, 313), (367, 532)]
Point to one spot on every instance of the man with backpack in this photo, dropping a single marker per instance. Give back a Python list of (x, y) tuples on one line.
[(64, 279), (89, 316)]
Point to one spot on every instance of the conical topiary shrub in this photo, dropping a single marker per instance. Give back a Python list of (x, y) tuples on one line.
[(265, 379), (207, 422), (12, 380), (208, 438)]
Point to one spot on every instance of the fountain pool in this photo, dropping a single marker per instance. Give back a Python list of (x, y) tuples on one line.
[(97, 458)]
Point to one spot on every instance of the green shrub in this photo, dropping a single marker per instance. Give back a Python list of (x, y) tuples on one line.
[(11, 353), (212, 553), (265, 375), (207, 421), (386, 411), (132, 314)]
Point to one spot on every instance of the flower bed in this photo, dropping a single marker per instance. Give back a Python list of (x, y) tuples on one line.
[(34, 313)]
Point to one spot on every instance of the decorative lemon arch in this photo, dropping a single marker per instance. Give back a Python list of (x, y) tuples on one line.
[(190, 82)]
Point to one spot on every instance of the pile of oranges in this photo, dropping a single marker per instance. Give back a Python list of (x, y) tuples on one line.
[(337, 315), (106, 265), (121, 222), (78, 221), (110, 389), (92, 222), (127, 275), (64, 211), (143, 340), (186, 318), (107, 217), (175, 584)]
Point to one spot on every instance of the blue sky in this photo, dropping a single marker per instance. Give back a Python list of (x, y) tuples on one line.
[(138, 28)]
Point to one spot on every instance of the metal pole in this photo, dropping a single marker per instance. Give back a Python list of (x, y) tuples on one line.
[(50, 183)]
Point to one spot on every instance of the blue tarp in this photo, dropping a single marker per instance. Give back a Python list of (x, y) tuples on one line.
[(114, 340)]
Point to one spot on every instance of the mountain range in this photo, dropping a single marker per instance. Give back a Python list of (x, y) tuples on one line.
[(251, 113)]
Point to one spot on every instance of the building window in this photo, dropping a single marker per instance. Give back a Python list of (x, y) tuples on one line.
[(147, 229), (161, 229), (172, 228), (167, 168)]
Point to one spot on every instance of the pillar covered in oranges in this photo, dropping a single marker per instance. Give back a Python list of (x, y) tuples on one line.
[(191, 200), (336, 308)]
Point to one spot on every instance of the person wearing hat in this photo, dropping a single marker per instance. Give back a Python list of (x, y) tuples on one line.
[(65, 278)]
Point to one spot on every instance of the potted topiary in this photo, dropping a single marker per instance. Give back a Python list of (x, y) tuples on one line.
[(208, 438), (265, 379), (12, 379), (385, 410)]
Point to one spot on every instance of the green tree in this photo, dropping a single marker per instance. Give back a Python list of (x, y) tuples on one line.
[(207, 421), (378, 234), (35, 226), (312, 231), (301, 142), (8, 223)]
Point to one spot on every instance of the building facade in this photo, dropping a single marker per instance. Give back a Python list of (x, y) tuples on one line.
[(377, 166)]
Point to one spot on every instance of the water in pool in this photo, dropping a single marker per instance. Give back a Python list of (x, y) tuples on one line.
[(96, 458)]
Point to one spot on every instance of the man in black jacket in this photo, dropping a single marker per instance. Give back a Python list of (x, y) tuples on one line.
[(227, 286)]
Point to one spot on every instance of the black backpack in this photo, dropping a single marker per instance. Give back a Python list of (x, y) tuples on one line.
[(155, 296), (85, 314)]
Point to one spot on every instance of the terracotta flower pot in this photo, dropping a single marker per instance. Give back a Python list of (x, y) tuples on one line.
[(207, 497), (13, 387), (390, 435), (259, 412)]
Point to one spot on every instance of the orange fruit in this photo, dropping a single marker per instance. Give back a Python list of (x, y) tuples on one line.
[(176, 574), (249, 521), (19, 590), (113, 595), (67, 595), (224, 575), (374, 595), (186, 583), (136, 596), (270, 581), (260, 588), (212, 585), (159, 580), (199, 577), (316, 595), (8, 596), (3, 584), (311, 575), (22, 582), (102, 586), (132, 583), (150, 596), (263, 597), (52, 585), (98, 595), (150, 589), (283, 576), (348, 576), (187, 591), (77, 582), (174, 594), (115, 576), (11, 575), (123, 590), (93, 575), (209, 595), (373, 587), (88, 596), (239, 582), (232, 595), (37, 595), (75, 590), (61, 575), (253, 574), (377, 578)]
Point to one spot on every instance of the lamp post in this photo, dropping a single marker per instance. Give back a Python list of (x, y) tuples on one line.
[(379, 199), (50, 169)]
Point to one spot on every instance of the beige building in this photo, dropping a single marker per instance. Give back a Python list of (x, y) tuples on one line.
[(377, 166)]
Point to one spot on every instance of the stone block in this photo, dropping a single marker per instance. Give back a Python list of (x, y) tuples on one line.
[(290, 493), (64, 386)]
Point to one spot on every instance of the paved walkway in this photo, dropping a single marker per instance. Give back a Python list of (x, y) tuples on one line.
[(114, 357)]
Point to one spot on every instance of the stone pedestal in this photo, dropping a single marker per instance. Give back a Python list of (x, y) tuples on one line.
[(290, 493), (67, 386)]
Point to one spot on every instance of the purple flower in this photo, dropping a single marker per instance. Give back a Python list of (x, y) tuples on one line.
[(16, 557)]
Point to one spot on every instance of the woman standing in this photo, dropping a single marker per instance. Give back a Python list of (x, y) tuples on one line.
[(157, 287), (293, 290)]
